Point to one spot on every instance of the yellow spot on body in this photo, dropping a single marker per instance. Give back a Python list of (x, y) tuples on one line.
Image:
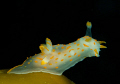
[(95, 50), (56, 59), (56, 67), (88, 39), (33, 58), (65, 54), (95, 39), (62, 47), (43, 62), (78, 39), (39, 58), (82, 50), (48, 43), (50, 63), (62, 59), (52, 57), (56, 47), (42, 53), (69, 56), (78, 48), (36, 61), (84, 57), (28, 62), (59, 53), (95, 54), (71, 49), (68, 47), (70, 59), (74, 43), (78, 44), (85, 45), (75, 54), (58, 44), (56, 62), (45, 67), (90, 49), (53, 50), (46, 48), (24, 66), (78, 55), (69, 43), (94, 43)]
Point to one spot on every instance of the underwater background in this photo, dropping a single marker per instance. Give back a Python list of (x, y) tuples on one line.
[(26, 24)]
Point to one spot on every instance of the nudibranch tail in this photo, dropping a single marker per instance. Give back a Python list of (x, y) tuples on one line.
[(55, 59)]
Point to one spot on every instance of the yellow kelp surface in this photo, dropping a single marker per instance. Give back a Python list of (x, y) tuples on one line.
[(32, 78)]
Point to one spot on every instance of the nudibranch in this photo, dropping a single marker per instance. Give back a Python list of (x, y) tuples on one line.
[(55, 59)]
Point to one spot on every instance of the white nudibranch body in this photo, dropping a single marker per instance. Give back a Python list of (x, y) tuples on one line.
[(55, 59)]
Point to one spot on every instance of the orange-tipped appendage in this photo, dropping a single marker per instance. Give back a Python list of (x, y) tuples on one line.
[(102, 42), (88, 23), (102, 46)]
